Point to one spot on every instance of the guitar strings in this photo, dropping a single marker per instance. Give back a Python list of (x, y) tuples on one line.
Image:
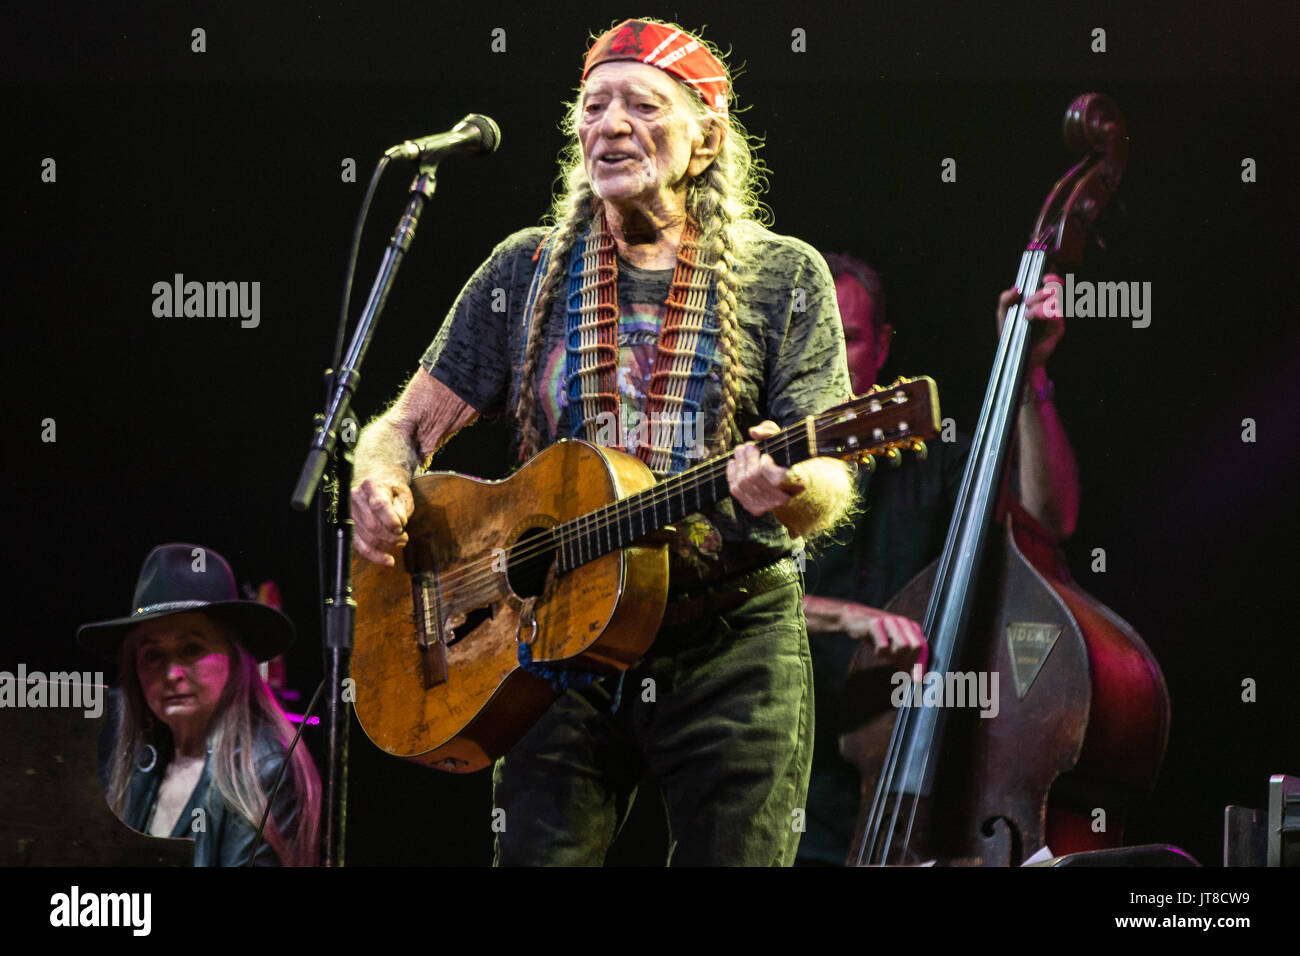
[(689, 480), (602, 519), (609, 516)]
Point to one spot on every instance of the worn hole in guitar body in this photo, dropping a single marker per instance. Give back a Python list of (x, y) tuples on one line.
[(472, 620)]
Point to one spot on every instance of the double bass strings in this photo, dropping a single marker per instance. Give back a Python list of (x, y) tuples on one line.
[(950, 622), (885, 783), (976, 479)]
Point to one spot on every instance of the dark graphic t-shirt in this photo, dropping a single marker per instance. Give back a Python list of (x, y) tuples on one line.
[(791, 365)]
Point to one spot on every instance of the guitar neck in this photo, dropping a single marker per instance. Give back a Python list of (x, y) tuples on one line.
[(625, 521), (886, 419)]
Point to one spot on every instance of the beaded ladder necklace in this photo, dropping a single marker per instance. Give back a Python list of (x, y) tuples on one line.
[(671, 435)]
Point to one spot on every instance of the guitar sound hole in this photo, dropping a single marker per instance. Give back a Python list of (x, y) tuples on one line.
[(530, 560)]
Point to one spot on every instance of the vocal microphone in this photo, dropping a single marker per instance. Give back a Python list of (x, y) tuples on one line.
[(474, 134)]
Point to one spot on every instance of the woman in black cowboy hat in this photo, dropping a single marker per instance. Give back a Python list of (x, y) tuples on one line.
[(200, 740)]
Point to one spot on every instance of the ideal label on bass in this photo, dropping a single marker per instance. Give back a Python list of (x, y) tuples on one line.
[(1029, 645)]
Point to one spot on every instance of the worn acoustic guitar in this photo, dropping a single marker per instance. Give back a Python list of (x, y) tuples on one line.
[(558, 558)]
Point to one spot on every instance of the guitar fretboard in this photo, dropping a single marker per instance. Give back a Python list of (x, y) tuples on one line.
[(623, 522)]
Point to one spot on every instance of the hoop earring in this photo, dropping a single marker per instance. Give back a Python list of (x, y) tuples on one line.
[(153, 759)]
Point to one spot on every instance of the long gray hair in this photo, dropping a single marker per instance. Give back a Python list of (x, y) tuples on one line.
[(724, 194)]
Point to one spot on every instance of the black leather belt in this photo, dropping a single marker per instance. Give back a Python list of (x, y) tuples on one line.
[(729, 593)]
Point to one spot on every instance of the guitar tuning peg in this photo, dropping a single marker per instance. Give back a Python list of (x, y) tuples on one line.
[(893, 457), (868, 462), (918, 446)]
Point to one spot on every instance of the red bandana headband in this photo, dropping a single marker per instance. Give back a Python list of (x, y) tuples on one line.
[(673, 51)]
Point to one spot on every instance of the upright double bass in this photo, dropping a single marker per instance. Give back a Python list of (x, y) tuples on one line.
[(1083, 714)]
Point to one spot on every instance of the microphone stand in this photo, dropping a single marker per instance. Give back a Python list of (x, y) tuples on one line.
[(326, 470)]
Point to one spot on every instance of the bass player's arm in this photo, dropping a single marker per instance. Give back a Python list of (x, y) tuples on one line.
[(388, 452)]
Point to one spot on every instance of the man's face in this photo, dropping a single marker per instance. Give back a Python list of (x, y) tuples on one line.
[(182, 662), (866, 347), (640, 140)]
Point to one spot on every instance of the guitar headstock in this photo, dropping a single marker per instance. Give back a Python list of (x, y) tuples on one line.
[(887, 420)]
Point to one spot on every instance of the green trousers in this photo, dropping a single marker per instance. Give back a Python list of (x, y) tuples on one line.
[(720, 712)]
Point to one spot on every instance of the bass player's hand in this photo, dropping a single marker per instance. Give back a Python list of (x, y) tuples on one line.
[(897, 641), (1043, 309)]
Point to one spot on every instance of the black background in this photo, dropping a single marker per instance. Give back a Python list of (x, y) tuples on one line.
[(225, 166)]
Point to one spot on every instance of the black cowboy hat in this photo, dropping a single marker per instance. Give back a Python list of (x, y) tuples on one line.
[(178, 578)]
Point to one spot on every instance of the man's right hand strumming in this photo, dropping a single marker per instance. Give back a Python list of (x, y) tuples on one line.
[(389, 451), (381, 506)]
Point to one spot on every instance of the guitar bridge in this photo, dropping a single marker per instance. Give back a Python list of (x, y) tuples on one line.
[(428, 631), (436, 631)]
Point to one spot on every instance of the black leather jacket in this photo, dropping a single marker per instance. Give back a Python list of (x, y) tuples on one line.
[(222, 836)]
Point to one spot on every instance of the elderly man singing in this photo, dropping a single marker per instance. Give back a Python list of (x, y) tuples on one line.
[(655, 294)]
